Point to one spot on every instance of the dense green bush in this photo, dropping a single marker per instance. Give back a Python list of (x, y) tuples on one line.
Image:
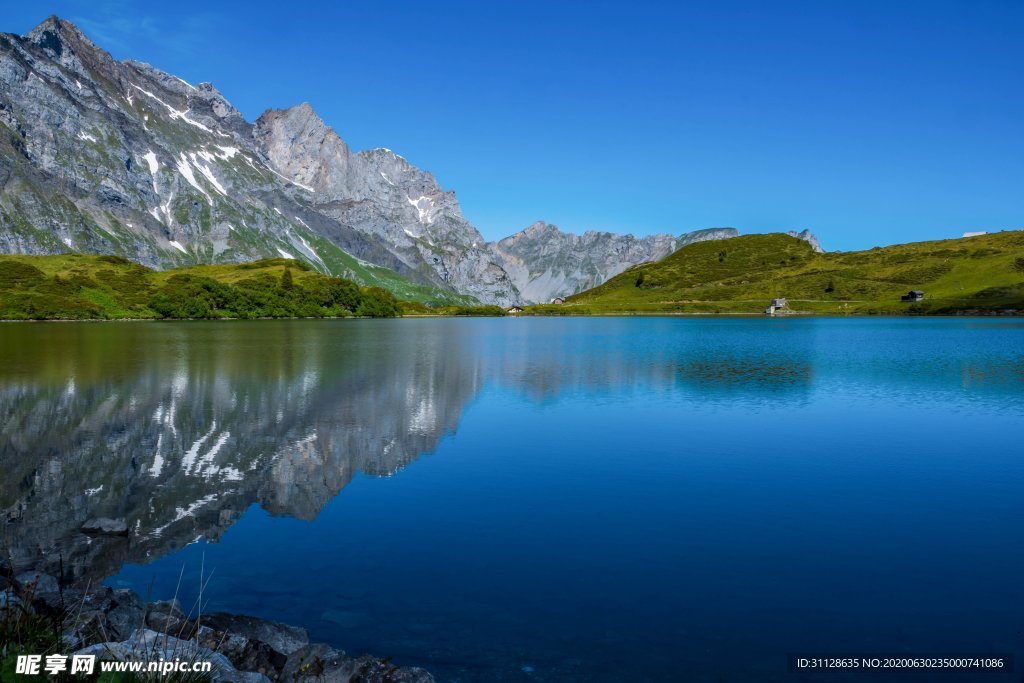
[(113, 287), (264, 296), (188, 296), (26, 293), (334, 291), (377, 303), (480, 310)]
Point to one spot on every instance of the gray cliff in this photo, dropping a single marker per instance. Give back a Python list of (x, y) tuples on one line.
[(545, 262), (109, 157), (379, 194)]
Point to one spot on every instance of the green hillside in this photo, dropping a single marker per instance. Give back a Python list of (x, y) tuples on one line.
[(347, 266), (741, 274), (79, 286)]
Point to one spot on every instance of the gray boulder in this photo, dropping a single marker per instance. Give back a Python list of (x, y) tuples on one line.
[(323, 663), (145, 645), (166, 616), (281, 638), (9, 602), (39, 585)]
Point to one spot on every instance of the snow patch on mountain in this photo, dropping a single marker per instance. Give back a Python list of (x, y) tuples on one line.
[(207, 172), (186, 172), (152, 162), (175, 114), (424, 208)]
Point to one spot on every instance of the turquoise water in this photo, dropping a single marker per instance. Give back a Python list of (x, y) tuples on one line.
[(639, 499)]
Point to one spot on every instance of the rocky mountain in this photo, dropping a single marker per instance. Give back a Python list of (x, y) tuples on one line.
[(118, 157), (545, 262), (379, 194), (807, 236), (113, 157)]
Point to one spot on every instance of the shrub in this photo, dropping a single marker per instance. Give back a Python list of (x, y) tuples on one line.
[(116, 260), (17, 274), (342, 293), (187, 296), (378, 303), (479, 310)]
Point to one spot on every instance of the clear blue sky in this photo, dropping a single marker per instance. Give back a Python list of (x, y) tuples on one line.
[(868, 122)]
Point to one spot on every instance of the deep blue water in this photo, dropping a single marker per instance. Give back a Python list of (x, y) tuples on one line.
[(646, 499)]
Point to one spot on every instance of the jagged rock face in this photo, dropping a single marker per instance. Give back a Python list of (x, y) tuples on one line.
[(381, 195), (118, 157), (101, 156), (808, 236), (545, 262)]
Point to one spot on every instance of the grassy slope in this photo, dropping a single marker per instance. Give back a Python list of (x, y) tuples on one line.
[(741, 274), (90, 286), (342, 264)]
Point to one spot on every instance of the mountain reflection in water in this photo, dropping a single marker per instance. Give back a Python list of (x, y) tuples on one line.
[(178, 428), (626, 499)]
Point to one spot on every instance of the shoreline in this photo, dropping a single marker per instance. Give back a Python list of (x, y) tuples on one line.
[(115, 624), (996, 313)]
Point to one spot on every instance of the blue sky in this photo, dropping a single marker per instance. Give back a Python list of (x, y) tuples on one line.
[(869, 122)]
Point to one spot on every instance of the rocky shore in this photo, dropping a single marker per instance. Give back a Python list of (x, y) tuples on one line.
[(116, 624)]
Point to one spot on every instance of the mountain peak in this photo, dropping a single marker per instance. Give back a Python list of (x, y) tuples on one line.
[(539, 226), (303, 111), (807, 236), (299, 116), (64, 43), (55, 34), (50, 23)]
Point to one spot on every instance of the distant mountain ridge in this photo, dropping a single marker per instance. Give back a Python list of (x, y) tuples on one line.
[(544, 262), (108, 157)]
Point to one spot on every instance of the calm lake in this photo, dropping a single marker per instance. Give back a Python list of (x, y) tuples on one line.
[(614, 499)]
